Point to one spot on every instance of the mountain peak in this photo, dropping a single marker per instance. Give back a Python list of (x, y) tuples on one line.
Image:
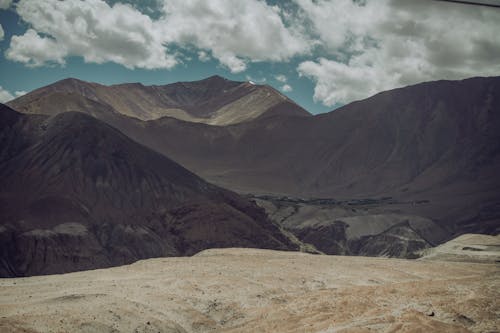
[(215, 77), (124, 201), (214, 100), (72, 81)]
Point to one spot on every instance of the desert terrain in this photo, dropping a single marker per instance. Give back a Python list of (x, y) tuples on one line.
[(250, 290)]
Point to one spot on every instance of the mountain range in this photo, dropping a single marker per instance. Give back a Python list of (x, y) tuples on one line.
[(78, 194), (428, 154), (214, 100)]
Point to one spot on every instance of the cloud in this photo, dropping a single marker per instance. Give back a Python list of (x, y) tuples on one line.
[(286, 88), (379, 45), (6, 96), (34, 50), (5, 4), (91, 29), (233, 32), (359, 47), (1, 33), (256, 80), (281, 78), (203, 56)]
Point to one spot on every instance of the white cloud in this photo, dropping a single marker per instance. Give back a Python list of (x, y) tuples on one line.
[(366, 46), (281, 78), (256, 80), (341, 83), (233, 32), (387, 44), (34, 50), (5, 4), (5, 96), (286, 88), (203, 56), (1, 33), (91, 29)]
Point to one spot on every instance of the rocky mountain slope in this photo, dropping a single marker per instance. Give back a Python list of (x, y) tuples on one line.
[(434, 148), (77, 194), (414, 139), (355, 227), (214, 100), (244, 290)]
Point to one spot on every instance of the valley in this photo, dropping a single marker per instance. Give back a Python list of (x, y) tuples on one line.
[(392, 175), (297, 166), (368, 227)]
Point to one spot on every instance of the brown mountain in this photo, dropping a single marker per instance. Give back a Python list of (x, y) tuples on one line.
[(433, 147), (76, 194), (214, 100)]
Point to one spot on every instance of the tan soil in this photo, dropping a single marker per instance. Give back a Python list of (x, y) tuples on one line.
[(246, 290)]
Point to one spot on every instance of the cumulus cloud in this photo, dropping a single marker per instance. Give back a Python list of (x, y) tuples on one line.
[(203, 56), (91, 29), (34, 50), (360, 46), (1, 33), (5, 4), (233, 32), (286, 88), (256, 80), (379, 45), (6, 96), (281, 78)]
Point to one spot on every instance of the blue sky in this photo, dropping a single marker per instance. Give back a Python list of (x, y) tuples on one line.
[(322, 54)]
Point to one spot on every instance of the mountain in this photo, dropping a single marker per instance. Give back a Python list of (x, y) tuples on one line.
[(412, 139), (214, 100), (429, 151), (75, 194), (432, 147)]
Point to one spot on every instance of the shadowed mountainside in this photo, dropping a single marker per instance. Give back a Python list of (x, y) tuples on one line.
[(433, 149), (77, 194), (414, 139), (214, 100)]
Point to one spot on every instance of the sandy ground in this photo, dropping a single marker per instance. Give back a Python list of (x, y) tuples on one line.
[(467, 248), (246, 290)]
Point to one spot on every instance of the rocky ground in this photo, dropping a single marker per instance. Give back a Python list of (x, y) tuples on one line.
[(377, 227), (247, 290)]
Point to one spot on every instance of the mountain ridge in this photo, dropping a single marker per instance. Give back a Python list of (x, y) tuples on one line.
[(430, 151), (435, 142), (214, 100), (75, 193)]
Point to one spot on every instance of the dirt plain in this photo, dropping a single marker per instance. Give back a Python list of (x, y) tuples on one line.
[(250, 290)]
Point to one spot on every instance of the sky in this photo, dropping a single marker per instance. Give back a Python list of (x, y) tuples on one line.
[(322, 54)]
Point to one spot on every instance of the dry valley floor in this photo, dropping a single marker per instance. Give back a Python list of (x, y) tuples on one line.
[(247, 290)]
